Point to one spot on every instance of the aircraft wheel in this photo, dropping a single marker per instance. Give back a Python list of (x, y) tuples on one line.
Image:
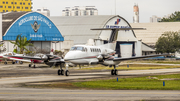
[(67, 73), (13, 62), (116, 72), (62, 72), (29, 65), (21, 62), (59, 72), (112, 72), (5, 63), (34, 66)]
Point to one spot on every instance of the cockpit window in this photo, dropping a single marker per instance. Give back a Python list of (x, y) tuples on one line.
[(73, 48), (80, 48), (77, 48)]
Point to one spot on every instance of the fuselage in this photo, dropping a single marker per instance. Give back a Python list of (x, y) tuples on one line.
[(82, 54)]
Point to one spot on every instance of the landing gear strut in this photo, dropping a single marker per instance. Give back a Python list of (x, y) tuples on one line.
[(5, 63), (114, 71), (61, 71)]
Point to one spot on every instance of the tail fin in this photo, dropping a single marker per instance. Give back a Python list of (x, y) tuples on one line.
[(114, 32)]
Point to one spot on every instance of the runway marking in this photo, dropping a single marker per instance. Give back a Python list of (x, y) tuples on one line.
[(85, 93)]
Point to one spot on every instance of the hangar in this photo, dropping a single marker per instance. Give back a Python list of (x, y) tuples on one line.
[(154, 30), (33, 25), (77, 28), (60, 33)]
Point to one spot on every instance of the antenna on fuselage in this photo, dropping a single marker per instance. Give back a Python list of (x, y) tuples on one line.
[(114, 32)]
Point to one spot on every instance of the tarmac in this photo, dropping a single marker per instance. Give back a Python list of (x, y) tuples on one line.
[(15, 74)]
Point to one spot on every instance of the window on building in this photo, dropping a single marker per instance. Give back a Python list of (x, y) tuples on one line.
[(23, 3), (91, 12), (6, 10), (15, 2), (3, 10), (29, 4), (84, 12), (1, 6), (67, 13), (3, 2), (6, 2), (22, 7), (18, 7), (11, 2), (20, 3), (26, 7), (9, 6), (26, 0), (5, 6)]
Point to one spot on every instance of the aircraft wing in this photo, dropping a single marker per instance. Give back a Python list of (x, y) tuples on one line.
[(22, 57), (138, 57), (58, 61)]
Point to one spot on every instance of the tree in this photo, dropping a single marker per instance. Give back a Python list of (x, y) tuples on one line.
[(21, 42), (172, 18), (169, 42)]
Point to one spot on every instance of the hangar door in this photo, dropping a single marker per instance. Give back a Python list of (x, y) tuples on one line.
[(42, 46), (126, 50)]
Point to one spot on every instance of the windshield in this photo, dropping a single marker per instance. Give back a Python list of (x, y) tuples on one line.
[(77, 48)]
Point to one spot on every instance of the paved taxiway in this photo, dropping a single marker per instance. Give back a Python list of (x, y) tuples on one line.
[(13, 75), (86, 95), (72, 76)]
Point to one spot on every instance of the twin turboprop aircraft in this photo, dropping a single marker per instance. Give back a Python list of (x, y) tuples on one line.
[(82, 54), (102, 54)]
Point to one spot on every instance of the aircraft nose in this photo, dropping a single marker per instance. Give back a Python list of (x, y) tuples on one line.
[(67, 56)]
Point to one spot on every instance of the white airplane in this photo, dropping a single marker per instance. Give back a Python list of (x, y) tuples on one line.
[(3, 57), (103, 54)]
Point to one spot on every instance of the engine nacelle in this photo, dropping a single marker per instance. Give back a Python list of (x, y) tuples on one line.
[(100, 57)]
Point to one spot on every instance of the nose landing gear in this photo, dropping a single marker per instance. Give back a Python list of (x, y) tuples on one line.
[(114, 71), (61, 71)]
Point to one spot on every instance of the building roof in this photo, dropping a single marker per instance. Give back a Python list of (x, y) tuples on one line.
[(9, 18), (77, 28), (33, 25), (154, 30)]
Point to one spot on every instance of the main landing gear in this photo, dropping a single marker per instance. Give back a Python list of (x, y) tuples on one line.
[(5, 63), (33, 66), (61, 71), (114, 71)]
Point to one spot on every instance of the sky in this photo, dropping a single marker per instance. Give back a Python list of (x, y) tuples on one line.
[(124, 8)]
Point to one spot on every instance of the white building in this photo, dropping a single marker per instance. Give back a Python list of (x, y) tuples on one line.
[(154, 31), (44, 11), (136, 14), (80, 11), (154, 18)]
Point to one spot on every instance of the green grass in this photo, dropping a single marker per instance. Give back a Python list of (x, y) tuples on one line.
[(140, 83), (132, 67), (136, 83), (155, 61)]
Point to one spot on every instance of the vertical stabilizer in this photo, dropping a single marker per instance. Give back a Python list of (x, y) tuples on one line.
[(113, 36)]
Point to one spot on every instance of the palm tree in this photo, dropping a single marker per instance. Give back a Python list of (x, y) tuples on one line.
[(21, 42)]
